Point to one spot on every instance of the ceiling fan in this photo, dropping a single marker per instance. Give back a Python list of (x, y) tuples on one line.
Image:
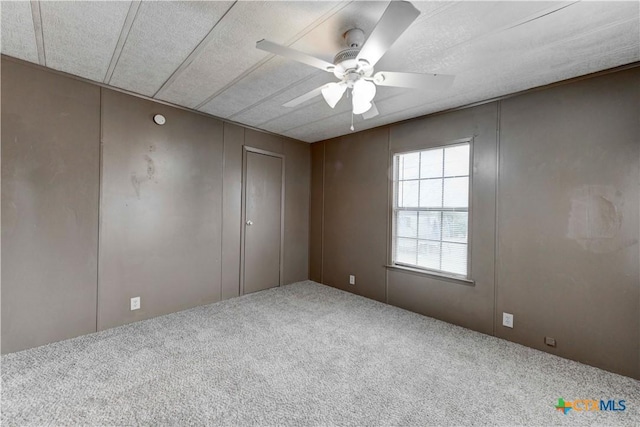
[(354, 65)]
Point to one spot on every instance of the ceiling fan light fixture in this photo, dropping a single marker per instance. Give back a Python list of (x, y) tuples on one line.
[(363, 93), (333, 92), (364, 90), (360, 106)]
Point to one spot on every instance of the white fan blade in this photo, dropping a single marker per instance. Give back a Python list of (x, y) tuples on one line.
[(414, 80), (372, 112), (395, 20), (307, 96), (289, 53)]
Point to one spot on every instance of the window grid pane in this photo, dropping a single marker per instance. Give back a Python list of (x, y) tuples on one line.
[(407, 224), (431, 209)]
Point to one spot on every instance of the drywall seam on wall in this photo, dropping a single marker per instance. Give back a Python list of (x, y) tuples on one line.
[(224, 151), (99, 230), (324, 168), (497, 206), (389, 195)]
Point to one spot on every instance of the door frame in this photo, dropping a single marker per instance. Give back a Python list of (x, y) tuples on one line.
[(243, 224)]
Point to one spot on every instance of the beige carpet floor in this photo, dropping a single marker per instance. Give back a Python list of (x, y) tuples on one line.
[(303, 354)]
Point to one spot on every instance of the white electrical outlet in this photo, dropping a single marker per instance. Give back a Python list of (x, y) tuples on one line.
[(507, 320), (352, 279), (135, 303)]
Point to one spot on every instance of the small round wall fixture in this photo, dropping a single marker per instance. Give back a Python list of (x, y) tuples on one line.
[(159, 119)]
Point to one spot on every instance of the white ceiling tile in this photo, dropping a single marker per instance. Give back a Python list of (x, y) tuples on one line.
[(18, 36), (161, 38), (80, 37), (231, 52)]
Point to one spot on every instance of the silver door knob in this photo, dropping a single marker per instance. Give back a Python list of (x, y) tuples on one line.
[(249, 222)]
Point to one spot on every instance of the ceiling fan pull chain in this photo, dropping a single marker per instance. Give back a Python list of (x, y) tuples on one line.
[(352, 121)]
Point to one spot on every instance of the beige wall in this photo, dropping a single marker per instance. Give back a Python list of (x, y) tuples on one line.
[(50, 188), (160, 211), (542, 163), (169, 209), (355, 213), (568, 214), (546, 160)]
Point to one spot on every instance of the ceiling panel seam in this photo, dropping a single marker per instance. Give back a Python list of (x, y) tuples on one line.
[(523, 21), (268, 58), (597, 30), (287, 113), (541, 47), (36, 15), (279, 92), (538, 15), (340, 113), (193, 55), (442, 9), (134, 7)]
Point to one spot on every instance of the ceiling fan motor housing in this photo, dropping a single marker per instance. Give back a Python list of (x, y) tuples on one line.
[(346, 64), (346, 55)]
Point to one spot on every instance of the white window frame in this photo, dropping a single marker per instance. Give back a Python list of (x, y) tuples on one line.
[(393, 208)]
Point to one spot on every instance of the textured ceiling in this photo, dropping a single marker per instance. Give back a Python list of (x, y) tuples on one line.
[(202, 55)]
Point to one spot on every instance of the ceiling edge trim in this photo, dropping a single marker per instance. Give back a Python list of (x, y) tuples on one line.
[(145, 97), (202, 113), (595, 74)]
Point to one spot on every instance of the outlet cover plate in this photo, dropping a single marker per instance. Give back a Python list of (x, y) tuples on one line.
[(507, 320), (352, 279), (135, 303)]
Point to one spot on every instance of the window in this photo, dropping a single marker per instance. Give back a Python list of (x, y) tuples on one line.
[(431, 209)]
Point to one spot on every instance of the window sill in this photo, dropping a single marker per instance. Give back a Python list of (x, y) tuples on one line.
[(432, 274)]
